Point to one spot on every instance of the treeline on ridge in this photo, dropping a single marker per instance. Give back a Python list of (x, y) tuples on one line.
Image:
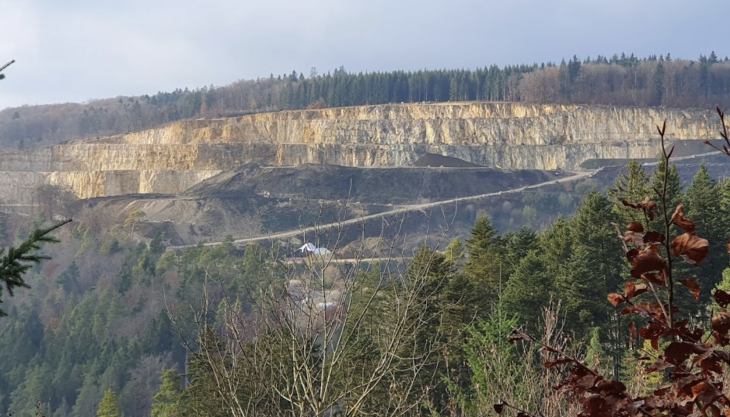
[(619, 80)]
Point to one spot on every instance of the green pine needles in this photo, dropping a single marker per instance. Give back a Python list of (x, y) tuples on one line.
[(16, 261), (3, 67)]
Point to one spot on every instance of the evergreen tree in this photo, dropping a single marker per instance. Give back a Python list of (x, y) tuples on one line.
[(165, 401), (705, 209), (529, 290), (17, 261), (632, 185), (454, 252), (490, 357), (595, 264), (673, 188), (557, 247), (517, 246), (108, 406), (484, 264), (724, 191)]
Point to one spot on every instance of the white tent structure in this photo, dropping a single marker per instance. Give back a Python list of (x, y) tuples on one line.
[(310, 248)]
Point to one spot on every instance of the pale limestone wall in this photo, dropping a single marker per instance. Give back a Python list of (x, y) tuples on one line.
[(172, 158), (452, 124), (20, 187)]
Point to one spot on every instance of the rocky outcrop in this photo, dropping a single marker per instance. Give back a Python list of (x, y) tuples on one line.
[(504, 135)]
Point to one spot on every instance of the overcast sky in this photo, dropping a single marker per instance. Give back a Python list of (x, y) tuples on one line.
[(76, 50)]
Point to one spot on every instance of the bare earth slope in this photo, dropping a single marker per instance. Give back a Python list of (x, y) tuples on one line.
[(260, 201)]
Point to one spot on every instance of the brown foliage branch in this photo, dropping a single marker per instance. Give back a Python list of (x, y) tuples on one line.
[(693, 359)]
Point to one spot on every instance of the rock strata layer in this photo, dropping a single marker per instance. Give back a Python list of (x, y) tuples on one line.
[(171, 158)]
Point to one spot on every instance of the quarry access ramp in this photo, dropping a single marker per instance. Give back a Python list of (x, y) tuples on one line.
[(423, 206)]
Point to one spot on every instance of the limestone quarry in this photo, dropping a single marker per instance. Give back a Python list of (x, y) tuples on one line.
[(175, 157)]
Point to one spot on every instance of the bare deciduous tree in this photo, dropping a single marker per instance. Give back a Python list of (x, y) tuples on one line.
[(326, 337)]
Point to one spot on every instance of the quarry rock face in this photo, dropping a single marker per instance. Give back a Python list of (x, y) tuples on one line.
[(171, 158)]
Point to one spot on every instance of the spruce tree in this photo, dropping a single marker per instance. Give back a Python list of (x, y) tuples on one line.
[(165, 401), (595, 269), (454, 252), (16, 261), (724, 192), (673, 187), (517, 245), (703, 206), (631, 185), (108, 406), (484, 264), (528, 291)]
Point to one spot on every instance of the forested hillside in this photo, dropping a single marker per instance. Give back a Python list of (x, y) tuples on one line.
[(95, 324), (619, 80)]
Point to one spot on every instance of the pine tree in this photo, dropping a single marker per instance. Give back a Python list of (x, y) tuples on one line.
[(483, 267), (165, 401), (491, 358), (724, 192), (528, 290), (2, 76), (704, 208), (16, 261), (673, 187), (517, 246), (454, 253), (108, 406), (595, 354), (595, 269), (631, 185)]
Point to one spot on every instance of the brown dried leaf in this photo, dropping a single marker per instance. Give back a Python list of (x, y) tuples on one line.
[(704, 392), (550, 364), (722, 298), (647, 260), (709, 362), (678, 352), (653, 237), (658, 367), (652, 332), (679, 220), (693, 287), (518, 335), (721, 323), (685, 384), (635, 227), (610, 387), (632, 290), (636, 238), (654, 278), (727, 246), (631, 254), (644, 310), (691, 248), (616, 299), (647, 206), (629, 289)]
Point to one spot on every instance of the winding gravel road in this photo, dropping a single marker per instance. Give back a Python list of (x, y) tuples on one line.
[(418, 207)]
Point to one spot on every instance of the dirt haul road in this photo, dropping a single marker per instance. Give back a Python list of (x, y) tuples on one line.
[(418, 207)]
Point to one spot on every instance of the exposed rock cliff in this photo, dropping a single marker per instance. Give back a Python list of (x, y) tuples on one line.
[(505, 135)]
